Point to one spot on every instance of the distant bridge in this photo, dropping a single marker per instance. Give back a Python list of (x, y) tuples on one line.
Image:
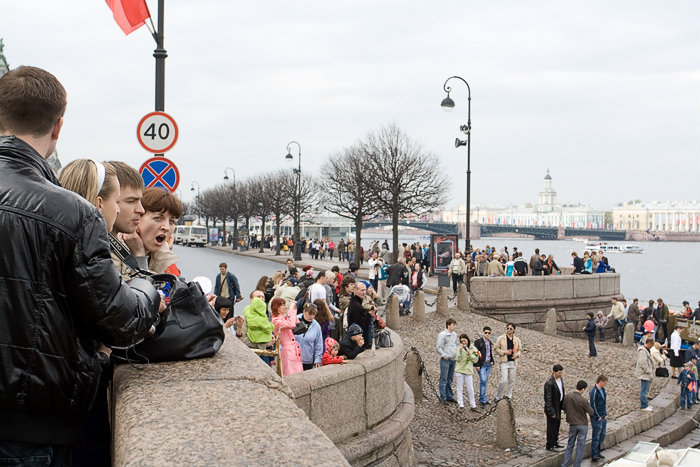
[(436, 227), (551, 233)]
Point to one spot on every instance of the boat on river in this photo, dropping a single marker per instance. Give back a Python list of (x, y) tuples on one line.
[(614, 248)]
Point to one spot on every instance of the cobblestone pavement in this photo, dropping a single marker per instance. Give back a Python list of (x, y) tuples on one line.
[(443, 436)]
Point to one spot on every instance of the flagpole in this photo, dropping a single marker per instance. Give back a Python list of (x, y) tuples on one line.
[(160, 54)]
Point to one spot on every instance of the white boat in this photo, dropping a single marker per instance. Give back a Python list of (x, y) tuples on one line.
[(611, 248)]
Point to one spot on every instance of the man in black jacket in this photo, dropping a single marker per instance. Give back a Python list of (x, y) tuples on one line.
[(485, 362), (359, 315), (398, 274), (60, 295), (553, 397)]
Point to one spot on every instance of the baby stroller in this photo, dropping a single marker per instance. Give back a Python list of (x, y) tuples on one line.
[(403, 293)]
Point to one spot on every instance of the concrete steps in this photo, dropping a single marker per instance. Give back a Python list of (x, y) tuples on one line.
[(666, 425)]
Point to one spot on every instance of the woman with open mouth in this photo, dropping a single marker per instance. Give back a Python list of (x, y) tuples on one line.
[(152, 237)]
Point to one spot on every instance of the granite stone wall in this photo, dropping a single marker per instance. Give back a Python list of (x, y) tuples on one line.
[(228, 410), (364, 406), (525, 300)]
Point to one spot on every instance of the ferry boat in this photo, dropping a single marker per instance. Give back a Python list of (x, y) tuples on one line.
[(610, 248)]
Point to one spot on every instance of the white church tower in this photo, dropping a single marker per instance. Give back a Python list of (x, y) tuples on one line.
[(547, 200)]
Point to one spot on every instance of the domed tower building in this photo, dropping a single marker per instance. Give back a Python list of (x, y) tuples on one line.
[(547, 201)]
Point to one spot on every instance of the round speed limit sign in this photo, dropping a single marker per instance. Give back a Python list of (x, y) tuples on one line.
[(157, 132)]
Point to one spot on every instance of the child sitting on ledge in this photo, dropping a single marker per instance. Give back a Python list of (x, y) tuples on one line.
[(330, 356)]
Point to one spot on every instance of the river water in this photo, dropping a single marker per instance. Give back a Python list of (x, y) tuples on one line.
[(668, 270)]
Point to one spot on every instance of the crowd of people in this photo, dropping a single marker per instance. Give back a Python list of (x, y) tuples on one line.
[(317, 319)]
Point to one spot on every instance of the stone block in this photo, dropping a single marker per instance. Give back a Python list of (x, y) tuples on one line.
[(329, 386), (559, 287), (586, 285), (462, 297), (392, 312), (550, 325), (442, 302), (520, 318), (505, 430), (499, 289), (528, 288), (419, 307), (302, 391), (628, 335), (413, 378), (607, 284), (477, 286), (380, 393)]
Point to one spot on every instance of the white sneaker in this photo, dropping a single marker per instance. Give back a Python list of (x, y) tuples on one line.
[(648, 409)]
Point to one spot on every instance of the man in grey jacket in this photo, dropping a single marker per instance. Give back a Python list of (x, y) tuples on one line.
[(447, 348), (576, 408), (644, 370)]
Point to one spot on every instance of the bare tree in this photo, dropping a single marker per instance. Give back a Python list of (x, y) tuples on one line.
[(246, 203), (230, 197), (347, 189), (259, 188), (281, 196), (308, 198), (407, 178)]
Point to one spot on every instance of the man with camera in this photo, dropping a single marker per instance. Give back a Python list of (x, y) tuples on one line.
[(60, 295)]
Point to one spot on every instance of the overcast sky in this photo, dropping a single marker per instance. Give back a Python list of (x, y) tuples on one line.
[(606, 94)]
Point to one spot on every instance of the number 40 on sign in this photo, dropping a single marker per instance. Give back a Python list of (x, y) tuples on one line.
[(157, 132)]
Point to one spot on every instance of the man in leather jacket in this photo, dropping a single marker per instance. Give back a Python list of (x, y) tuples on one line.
[(60, 295), (553, 398)]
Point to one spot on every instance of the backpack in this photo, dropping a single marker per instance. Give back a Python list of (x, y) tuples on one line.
[(384, 339), (305, 298)]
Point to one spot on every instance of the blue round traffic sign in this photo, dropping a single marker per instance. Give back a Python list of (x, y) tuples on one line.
[(161, 173)]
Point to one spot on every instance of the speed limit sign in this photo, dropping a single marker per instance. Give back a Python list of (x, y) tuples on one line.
[(157, 132)]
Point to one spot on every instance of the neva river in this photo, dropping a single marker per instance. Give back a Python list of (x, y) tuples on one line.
[(669, 270)]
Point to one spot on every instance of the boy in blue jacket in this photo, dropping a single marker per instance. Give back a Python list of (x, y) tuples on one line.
[(687, 381)]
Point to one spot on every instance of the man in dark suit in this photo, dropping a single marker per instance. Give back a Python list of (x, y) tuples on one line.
[(553, 397)]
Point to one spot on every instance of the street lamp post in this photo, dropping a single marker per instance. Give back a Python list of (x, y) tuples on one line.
[(197, 200), (448, 104), (235, 220), (297, 200)]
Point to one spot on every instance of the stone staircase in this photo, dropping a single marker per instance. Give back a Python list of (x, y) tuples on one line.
[(667, 425)]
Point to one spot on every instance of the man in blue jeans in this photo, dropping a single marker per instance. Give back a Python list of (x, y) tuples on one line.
[(485, 362), (447, 348), (576, 407), (598, 400), (644, 370)]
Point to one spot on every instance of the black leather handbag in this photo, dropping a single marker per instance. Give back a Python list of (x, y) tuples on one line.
[(189, 328), (662, 372)]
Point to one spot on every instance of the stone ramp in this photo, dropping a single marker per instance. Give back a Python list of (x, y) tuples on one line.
[(691, 440), (666, 425)]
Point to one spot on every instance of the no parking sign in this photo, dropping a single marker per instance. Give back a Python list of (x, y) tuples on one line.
[(160, 172)]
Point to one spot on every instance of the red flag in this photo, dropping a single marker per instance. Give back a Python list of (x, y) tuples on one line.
[(129, 14)]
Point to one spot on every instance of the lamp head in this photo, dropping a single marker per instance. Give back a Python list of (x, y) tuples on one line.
[(447, 103), (192, 188), (289, 157), (460, 142), (226, 177)]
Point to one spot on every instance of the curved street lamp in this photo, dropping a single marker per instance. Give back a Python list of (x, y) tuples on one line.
[(448, 104), (297, 199), (197, 200), (226, 179)]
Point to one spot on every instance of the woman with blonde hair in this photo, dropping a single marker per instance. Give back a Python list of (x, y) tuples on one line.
[(97, 183)]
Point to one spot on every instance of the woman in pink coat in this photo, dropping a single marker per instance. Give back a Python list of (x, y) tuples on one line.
[(290, 353)]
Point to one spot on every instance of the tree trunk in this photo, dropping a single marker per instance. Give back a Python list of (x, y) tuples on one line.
[(206, 224), (358, 239), (277, 233), (262, 236), (395, 235), (223, 235), (235, 233)]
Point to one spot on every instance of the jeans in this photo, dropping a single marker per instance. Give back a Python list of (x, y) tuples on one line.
[(591, 346), (447, 371), (31, 455), (577, 435), (601, 334), (644, 394), (686, 398), (505, 387), (598, 436), (351, 257), (484, 373)]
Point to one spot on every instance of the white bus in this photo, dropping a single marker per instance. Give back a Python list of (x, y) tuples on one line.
[(190, 235)]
